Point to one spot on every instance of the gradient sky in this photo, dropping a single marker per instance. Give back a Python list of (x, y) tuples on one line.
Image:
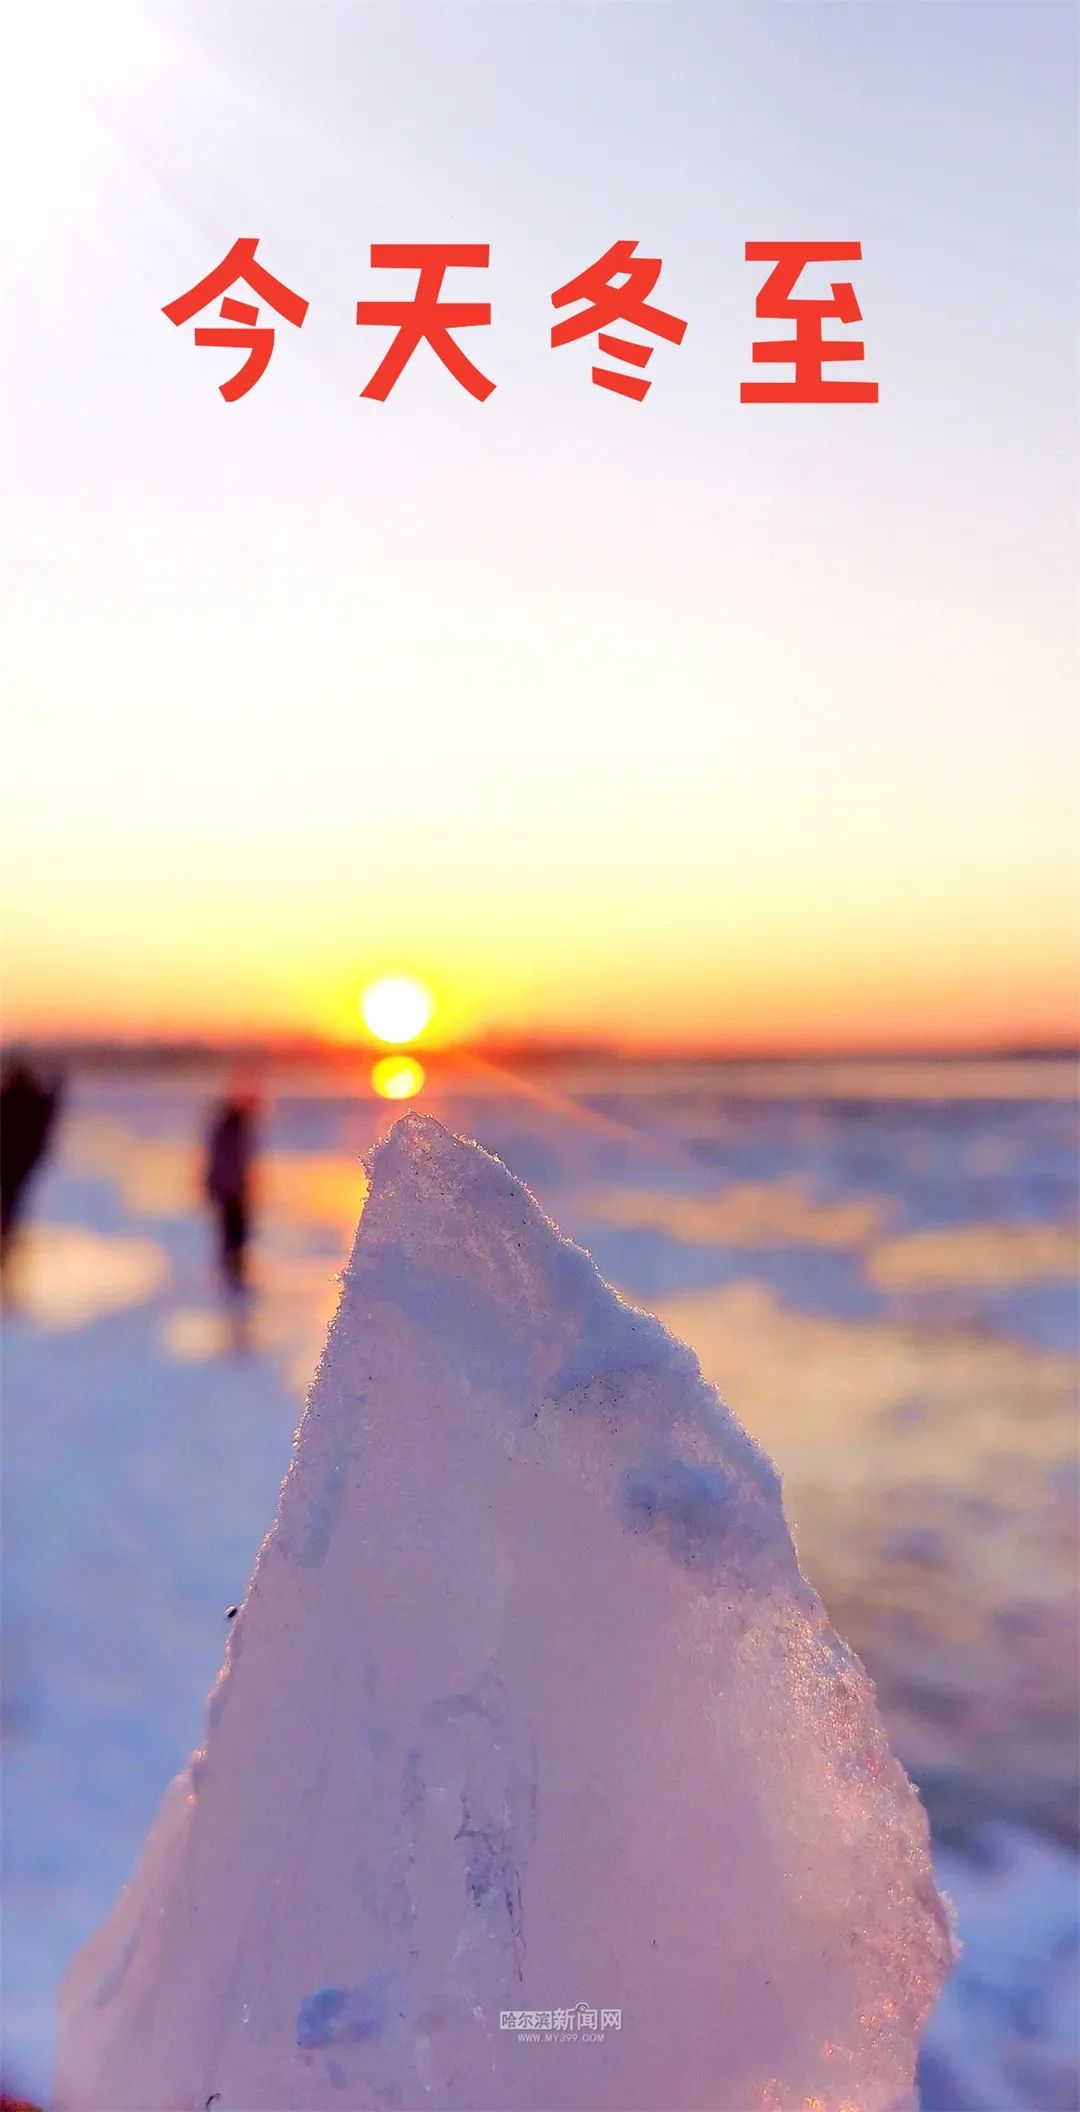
[(687, 721)]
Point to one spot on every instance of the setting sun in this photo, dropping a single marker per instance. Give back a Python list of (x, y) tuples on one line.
[(396, 1008)]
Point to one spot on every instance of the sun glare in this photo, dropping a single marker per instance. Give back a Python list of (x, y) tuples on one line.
[(397, 1077), (72, 75), (396, 1008)]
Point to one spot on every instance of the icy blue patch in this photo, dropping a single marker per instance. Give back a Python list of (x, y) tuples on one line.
[(319, 2015), (693, 1509), (695, 1496), (341, 2016)]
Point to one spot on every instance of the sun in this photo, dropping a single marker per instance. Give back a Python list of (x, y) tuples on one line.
[(396, 1008)]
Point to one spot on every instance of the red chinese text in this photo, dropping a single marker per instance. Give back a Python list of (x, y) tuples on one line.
[(425, 316), (607, 303), (257, 340), (809, 348)]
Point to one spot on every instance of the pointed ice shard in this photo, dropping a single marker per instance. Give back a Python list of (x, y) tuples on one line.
[(534, 1776)]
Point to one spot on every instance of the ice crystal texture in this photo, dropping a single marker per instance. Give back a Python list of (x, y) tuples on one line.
[(528, 1715)]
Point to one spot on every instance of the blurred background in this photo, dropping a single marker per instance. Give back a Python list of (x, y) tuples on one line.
[(679, 797)]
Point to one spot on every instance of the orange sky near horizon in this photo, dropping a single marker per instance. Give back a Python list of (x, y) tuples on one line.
[(674, 725), (724, 997)]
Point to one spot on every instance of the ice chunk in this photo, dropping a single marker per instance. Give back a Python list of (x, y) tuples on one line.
[(534, 1775)]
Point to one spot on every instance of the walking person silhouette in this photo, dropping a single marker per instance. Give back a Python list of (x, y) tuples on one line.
[(230, 1154)]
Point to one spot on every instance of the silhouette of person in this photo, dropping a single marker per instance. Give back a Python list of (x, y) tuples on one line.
[(28, 1111), (230, 1152)]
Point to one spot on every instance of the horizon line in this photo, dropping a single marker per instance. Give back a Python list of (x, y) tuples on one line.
[(515, 1048)]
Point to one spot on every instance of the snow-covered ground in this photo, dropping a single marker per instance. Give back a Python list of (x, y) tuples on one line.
[(879, 1278)]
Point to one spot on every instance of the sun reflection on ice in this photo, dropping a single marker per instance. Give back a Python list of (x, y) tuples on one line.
[(397, 1077), (65, 1276)]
